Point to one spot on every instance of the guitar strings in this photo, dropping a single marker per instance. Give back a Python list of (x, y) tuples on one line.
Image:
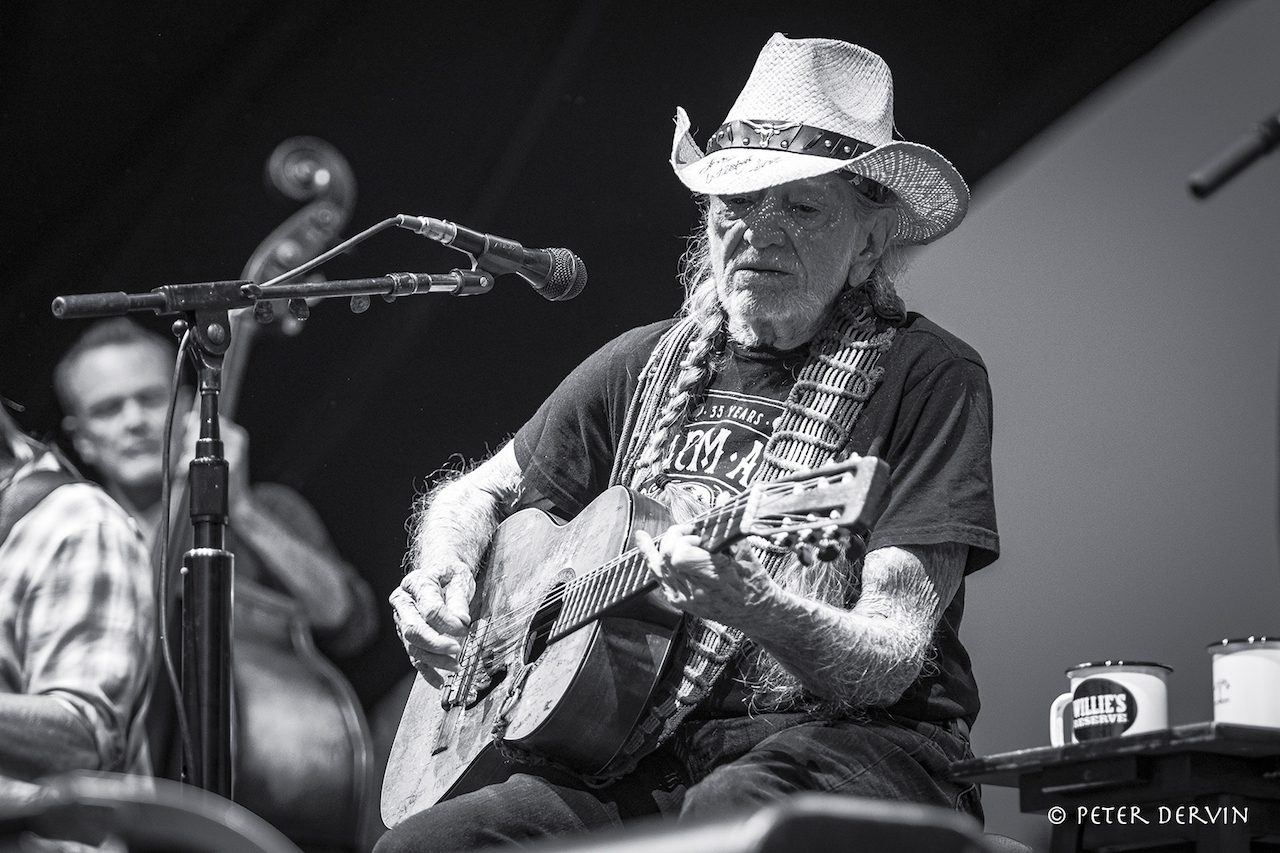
[(517, 614), (507, 640), (516, 617)]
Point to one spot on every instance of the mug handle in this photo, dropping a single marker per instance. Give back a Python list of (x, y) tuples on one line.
[(1057, 727)]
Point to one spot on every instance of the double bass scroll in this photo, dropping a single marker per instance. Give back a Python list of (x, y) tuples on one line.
[(309, 170)]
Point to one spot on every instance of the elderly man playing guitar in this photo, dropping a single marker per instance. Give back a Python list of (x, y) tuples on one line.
[(764, 418)]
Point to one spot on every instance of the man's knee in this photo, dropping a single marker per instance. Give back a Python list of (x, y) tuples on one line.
[(435, 829), (735, 789), (393, 841), (478, 819), (522, 808)]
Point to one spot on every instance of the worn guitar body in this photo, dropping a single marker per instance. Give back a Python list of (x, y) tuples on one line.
[(576, 698), (568, 640)]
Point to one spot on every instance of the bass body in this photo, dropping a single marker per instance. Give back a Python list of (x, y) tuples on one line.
[(576, 697)]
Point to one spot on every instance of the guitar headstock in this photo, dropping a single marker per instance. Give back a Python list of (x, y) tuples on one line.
[(823, 509)]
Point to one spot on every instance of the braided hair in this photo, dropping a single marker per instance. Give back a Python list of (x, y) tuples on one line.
[(706, 354)]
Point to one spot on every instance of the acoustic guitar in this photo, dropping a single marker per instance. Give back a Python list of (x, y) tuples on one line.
[(568, 638)]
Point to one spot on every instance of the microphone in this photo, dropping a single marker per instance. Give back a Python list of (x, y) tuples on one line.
[(556, 274), (1243, 152)]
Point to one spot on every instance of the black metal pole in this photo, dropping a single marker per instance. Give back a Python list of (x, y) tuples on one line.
[(1259, 142), (208, 572)]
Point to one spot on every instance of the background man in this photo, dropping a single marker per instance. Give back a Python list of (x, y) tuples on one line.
[(296, 711), (114, 387), (76, 623)]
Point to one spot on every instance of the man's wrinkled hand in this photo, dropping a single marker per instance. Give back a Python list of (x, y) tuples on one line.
[(729, 589), (432, 609)]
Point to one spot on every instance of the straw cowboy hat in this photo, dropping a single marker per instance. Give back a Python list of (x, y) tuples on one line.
[(814, 106)]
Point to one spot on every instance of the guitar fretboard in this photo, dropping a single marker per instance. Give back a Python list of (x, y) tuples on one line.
[(588, 596)]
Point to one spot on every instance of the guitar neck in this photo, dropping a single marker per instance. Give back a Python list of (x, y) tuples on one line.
[(589, 596)]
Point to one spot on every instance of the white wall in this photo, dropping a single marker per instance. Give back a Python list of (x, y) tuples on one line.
[(1133, 342)]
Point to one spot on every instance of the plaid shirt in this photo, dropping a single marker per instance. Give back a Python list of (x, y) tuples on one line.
[(77, 616)]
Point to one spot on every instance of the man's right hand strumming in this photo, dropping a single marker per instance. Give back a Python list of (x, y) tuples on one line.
[(451, 528), (432, 609)]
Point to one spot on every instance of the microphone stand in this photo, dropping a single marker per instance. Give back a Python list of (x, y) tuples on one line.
[(1242, 153), (208, 569)]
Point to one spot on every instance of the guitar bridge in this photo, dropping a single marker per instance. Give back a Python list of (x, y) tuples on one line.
[(479, 672), (477, 676)]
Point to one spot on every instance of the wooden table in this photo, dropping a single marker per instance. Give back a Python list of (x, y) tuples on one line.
[(1123, 793)]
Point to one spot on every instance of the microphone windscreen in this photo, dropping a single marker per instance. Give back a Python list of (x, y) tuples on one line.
[(568, 276)]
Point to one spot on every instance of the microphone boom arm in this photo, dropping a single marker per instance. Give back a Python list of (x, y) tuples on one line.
[(557, 274), (230, 295)]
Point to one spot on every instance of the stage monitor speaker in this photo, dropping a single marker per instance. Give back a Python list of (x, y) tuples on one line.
[(140, 814), (820, 822)]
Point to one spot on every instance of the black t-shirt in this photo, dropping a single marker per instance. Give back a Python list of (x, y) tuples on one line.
[(929, 419)]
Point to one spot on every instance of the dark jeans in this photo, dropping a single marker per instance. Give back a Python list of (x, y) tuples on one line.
[(713, 767)]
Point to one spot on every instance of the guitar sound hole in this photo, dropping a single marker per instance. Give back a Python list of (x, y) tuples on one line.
[(540, 627)]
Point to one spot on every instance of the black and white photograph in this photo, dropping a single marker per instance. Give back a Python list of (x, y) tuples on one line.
[(613, 427)]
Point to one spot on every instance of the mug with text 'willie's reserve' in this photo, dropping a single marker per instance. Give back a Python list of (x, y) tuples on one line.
[(1246, 681), (1110, 698)]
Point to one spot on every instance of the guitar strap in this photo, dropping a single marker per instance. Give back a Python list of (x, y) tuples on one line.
[(837, 379), (20, 497)]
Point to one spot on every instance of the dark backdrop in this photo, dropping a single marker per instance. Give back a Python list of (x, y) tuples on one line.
[(135, 136)]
